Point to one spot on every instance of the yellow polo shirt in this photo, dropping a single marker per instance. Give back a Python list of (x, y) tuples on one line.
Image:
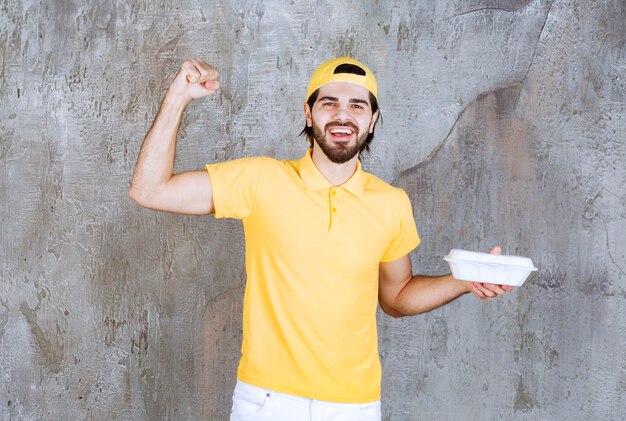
[(312, 255)]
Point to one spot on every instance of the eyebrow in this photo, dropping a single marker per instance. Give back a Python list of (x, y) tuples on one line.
[(352, 100), (359, 101)]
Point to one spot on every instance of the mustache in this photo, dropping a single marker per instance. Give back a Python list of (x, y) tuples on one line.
[(341, 124)]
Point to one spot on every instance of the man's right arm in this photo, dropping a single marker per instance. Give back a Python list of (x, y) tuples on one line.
[(153, 184)]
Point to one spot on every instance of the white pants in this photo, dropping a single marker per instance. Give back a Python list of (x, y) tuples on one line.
[(252, 403)]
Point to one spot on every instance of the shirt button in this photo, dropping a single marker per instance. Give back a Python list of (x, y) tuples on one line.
[(334, 192), (334, 209)]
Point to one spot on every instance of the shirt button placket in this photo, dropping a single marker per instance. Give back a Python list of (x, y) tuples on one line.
[(332, 205)]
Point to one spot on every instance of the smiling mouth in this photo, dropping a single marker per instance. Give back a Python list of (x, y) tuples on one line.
[(341, 132)]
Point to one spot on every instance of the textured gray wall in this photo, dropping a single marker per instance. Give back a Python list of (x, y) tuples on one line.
[(504, 120)]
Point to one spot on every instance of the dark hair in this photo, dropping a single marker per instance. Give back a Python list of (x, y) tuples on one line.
[(308, 131), (349, 68)]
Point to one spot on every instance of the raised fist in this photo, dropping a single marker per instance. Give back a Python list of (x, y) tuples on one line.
[(195, 79)]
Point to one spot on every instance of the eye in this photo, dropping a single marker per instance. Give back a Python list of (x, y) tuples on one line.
[(358, 106)]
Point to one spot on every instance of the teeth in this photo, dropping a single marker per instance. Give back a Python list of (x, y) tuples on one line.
[(344, 131)]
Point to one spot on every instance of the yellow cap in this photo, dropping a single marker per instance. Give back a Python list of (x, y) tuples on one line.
[(325, 73)]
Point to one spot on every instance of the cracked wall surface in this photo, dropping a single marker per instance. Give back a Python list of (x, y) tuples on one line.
[(503, 121)]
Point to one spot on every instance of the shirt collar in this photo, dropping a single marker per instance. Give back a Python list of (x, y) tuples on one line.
[(315, 181)]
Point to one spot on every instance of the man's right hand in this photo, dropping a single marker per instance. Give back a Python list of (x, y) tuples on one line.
[(196, 79)]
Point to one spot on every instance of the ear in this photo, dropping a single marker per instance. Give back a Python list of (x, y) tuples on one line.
[(307, 115), (374, 120)]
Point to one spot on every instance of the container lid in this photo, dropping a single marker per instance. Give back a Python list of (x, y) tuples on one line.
[(458, 255)]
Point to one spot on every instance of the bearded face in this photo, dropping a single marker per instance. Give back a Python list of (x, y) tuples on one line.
[(341, 120)]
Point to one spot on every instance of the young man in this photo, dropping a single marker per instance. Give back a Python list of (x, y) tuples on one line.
[(325, 243)]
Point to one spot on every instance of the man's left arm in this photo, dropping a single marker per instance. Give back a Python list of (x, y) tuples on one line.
[(401, 293)]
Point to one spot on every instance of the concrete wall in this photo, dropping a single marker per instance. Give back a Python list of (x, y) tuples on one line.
[(504, 121)]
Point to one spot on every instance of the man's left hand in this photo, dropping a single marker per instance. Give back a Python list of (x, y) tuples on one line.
[(486, 292)]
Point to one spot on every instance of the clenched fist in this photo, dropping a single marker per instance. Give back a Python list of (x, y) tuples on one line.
[(196, 79)]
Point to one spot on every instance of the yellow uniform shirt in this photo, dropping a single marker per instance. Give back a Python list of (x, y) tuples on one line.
[(312, 255)]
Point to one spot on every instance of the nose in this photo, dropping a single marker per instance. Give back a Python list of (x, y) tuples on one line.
[(342, 113)]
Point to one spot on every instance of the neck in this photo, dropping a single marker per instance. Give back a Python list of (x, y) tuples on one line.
[(336, 174)]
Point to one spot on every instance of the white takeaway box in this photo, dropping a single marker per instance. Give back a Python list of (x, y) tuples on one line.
[(489, 268)]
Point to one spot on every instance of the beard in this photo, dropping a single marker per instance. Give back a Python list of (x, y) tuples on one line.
[(339, 152)]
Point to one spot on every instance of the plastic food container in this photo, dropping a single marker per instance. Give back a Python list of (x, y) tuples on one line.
[(489, 268)]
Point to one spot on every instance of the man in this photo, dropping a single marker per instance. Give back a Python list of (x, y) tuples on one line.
[(325, 243)]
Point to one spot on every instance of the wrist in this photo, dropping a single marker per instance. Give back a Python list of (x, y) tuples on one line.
[(176, 100), (463, 287)]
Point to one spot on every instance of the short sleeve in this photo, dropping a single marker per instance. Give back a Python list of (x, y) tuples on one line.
[(234, 185), (406, 237)]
